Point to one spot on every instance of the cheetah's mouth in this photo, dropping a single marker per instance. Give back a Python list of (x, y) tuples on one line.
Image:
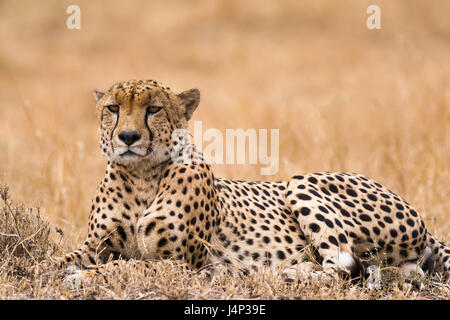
[(131, 152)]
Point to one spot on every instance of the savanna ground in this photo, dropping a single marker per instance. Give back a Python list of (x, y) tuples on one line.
[(344, 98)]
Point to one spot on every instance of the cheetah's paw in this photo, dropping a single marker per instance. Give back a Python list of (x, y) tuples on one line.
[(374, 279), (306, 271), (76, 278)]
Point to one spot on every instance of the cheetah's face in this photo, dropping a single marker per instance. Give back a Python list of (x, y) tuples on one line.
[(137, 119)]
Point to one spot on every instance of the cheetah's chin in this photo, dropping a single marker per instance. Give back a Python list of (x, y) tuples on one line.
[(131, 158)]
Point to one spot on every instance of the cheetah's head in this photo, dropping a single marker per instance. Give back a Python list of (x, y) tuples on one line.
[(137, 119)]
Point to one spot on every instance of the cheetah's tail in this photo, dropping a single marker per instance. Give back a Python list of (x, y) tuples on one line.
[(437, 256)]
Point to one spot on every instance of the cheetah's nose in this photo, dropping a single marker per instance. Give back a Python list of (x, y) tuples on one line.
[(129, 137)]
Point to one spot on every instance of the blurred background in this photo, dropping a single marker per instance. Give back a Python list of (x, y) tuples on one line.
[(345, 98)]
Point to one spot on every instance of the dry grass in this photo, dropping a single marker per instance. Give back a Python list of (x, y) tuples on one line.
[(25, 243), (344, 98)]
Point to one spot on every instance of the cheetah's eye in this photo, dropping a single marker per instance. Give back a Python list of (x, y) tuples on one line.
[(114, 108), (153, 109)]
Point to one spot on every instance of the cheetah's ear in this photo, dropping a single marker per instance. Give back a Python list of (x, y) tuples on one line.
[(191, 99), (97, 95)]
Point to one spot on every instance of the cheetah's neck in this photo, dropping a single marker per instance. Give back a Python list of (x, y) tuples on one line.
[(141, 183)]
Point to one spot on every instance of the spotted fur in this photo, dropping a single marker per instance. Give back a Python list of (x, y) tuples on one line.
[(149, 206)]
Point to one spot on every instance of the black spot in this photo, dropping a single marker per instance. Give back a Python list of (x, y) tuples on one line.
[(162, 242), (314, 227), (365, 217), (349, 203), (108, 242), (367, 206), (342, 238), (281, 255), (365, 231), (150, 227), (329, 223), (345, 213), (303, 196), (324, 245), (323, 209), (333, 188), (320, 217), (387, 219), (91, 260), (333, 240), (288, 239), (315, 193), (305, 211), (325, 191), (122, 233), (255, 256), (312, 180)]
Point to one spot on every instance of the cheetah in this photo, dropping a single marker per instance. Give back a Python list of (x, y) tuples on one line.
[(151, 206)]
